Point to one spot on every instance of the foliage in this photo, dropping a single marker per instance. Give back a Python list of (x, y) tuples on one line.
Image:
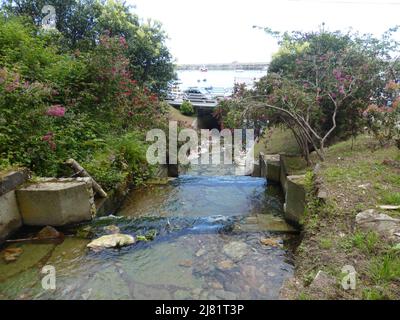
[(384, 121), (57, 105), (187, 108), (81, 23), (120, 158), (318, 85)]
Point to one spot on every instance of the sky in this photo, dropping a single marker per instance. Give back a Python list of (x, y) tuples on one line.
[(221, 31)]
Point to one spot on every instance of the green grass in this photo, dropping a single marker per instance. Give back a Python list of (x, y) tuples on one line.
[(295, 165), (281, 141), (374, 294), (385, 269), (392, 198), (366, 242), (176, 115), (325, 243)]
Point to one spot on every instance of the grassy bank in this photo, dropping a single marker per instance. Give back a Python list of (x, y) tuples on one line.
[(176, 115), (277, 141), (357, 175)]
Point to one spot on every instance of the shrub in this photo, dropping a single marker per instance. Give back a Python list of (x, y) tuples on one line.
[(187, 108), (384, 123)]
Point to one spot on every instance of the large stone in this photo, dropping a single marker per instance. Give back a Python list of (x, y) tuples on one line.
[(236, 250), (56, 202), (373, 220), (295, 199), (10, 218), (323, 282), (111, 241), (262, 223)]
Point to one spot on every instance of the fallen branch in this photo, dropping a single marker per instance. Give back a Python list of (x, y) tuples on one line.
[(80, 171)]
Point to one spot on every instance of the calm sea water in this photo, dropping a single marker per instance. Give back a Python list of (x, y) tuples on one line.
[(219, 78)]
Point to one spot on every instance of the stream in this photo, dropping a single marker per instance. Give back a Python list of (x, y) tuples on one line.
[(218, 236)]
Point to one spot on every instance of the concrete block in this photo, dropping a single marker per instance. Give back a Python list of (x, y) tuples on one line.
[(10, 218), (56, 202), (273, 167), (295, 199), (11, 180)]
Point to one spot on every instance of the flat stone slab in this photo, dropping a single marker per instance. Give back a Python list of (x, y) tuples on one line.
[(56, 202), (263, 223)]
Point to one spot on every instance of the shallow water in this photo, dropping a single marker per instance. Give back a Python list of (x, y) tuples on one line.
[(207, 246)]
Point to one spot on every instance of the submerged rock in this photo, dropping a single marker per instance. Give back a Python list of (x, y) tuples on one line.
[(111, 241), (49, 233), (225, 265), (112, 229), (271, 242), (236, 250), (12, 254)]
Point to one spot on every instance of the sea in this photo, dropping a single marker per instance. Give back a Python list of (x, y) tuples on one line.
[(218, 78)]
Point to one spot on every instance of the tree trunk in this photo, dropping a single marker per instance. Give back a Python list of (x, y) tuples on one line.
[(80, 171)]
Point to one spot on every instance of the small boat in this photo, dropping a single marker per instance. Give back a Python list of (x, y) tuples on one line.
[(204, 69)]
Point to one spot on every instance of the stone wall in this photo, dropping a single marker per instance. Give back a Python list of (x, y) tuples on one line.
[(273, 168), (10, 217)]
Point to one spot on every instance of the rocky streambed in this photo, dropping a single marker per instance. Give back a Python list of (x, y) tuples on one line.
[(202, 236)]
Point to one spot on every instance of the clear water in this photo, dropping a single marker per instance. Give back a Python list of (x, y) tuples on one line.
[(207, 246)]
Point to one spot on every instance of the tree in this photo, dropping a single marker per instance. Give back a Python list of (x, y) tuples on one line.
[(321, 82), (76, 20), (82, 23)]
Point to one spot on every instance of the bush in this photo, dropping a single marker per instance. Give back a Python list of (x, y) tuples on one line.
[(120, 158), (187, 108), (55, 106)]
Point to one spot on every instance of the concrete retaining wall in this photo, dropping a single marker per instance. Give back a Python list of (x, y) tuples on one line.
[(10, 217), (273, 168), (47, 202)]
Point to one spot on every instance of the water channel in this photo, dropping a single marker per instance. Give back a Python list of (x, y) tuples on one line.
[(218, 236)]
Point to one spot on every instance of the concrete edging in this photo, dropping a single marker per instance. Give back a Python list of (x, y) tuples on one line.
[(273, 168)]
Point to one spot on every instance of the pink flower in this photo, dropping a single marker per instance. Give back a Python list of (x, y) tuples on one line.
[(56, 111), (122, 41), (48, 136)]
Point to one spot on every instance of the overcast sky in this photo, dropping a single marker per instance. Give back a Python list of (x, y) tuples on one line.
[(214, 31)]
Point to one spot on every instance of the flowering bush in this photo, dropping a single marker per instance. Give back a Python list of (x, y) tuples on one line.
[(384, 122), (73, 106)]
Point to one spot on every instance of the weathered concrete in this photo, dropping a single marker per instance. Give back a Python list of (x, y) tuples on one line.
[(295, 199), (56, 202), (271, 167), (10, 218), (11, 180)]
